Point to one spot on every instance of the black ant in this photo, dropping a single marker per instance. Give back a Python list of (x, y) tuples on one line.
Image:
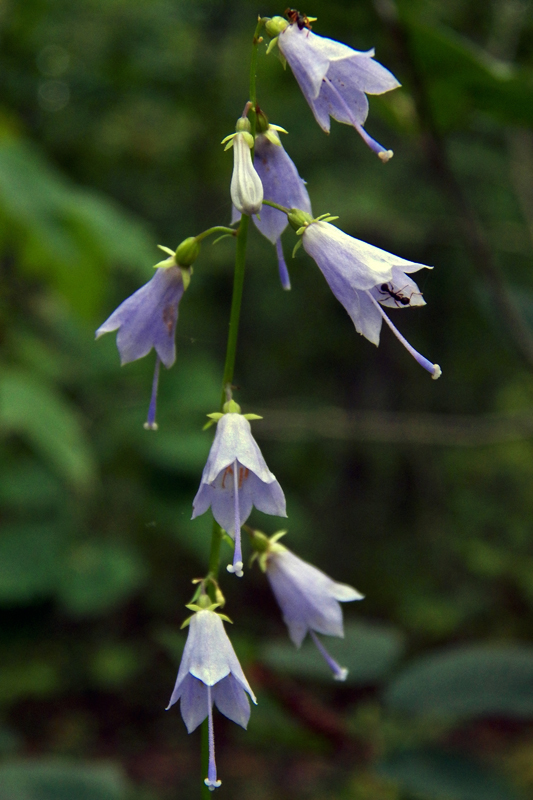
[(398, 297), (295, 16)]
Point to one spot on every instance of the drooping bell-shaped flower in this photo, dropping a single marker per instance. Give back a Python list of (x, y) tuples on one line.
[(334, 79), (308, 598), (148, 318), (281, 184), (209, 674), (246, 188), (236, 478), (363, 278)]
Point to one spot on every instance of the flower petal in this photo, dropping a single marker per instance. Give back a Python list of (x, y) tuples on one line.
[(230, 699), (193, 705)]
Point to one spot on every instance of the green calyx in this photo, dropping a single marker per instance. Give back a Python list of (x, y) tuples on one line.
[(275, 26), (299, 219), (243, 125), (204, 603), (231, 407), (262, 121), (264, 546)]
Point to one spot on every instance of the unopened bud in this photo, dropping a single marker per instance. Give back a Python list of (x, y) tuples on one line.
[(187, 252)]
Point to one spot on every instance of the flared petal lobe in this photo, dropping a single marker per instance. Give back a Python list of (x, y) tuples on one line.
[(309, 599), (148, 318), (208, 658), (281, 183), (335, 79)]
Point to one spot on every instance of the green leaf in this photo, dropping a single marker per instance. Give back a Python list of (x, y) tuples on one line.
[(54, 779), (34, 410), (30, 559), (368, 652), (447, 775), (98, 576), (480, 680), (462, 77)]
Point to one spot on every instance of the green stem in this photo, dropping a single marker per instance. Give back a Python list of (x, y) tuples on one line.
[(216, 229), (236, 300), (229, 366), (276, 205)]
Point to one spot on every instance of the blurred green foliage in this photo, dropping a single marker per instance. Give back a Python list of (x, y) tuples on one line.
[(111, 114)]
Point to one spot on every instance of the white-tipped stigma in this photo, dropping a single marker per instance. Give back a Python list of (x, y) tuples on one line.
[(236, 568), (339, 673), (151, 424), (211, 781), (437, 372), (386, 155)]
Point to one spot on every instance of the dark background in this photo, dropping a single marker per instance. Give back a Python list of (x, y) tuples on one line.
[(419, 493)]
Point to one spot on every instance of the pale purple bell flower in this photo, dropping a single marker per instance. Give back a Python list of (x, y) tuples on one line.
[(148, 320), (236, 478), (335, 79), (364, 278), (308, 598), (209, 674)]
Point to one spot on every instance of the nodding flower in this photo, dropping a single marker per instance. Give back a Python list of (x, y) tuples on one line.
[(236, 478), (148, 320), (334, 79), (282, 184), (210, 674), (308, 598), (364, 278)]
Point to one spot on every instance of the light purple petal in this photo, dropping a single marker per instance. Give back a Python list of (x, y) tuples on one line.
[(308, 63), (266, 497), (193, 706), (231, 700), (402, 286), (367, 320), (308, 598), (234, 440), (281, 184), (206, 651), (223, 503), (361, 264), (148, 318)]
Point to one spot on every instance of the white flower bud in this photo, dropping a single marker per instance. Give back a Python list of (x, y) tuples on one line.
[(246, 186)]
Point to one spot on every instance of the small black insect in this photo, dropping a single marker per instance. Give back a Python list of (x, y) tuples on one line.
[(295, 16), (398, 297)]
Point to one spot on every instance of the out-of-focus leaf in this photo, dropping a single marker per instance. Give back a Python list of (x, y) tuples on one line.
[(37, 412), (99, 575), (480, 680), (51, 779), (27, 674), (30, 561), (65, 234), (452, 776), (368, 651), (461, 77), (27, 486)]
